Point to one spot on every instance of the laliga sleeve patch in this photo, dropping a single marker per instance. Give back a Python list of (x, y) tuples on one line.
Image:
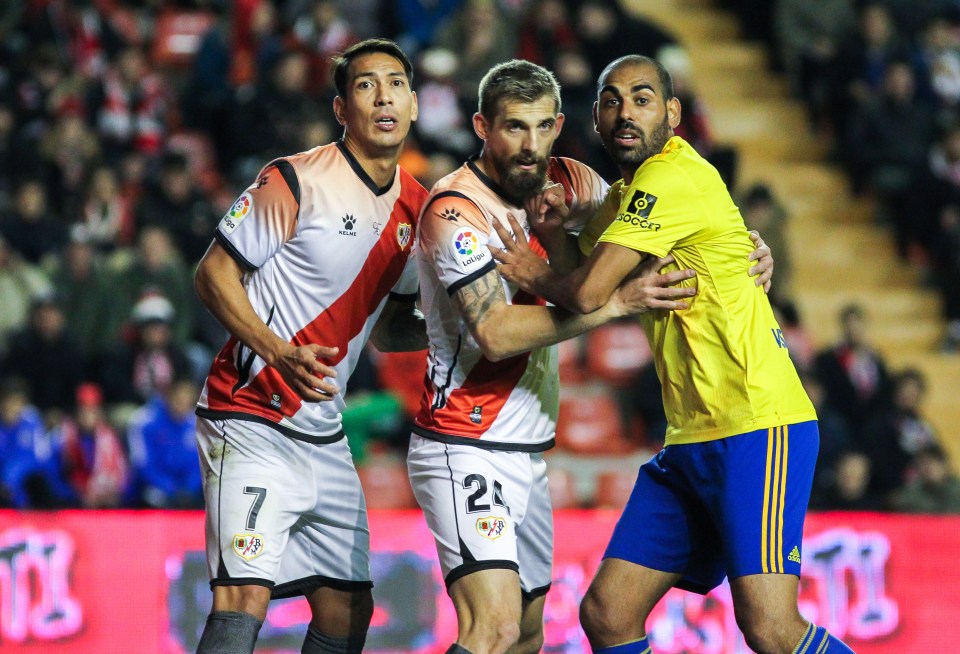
[(638, 211), (237, 213), (467, 249)]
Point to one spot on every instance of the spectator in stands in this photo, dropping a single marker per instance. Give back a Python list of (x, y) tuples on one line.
[(9, 165), (45, 356), (810, 36), (157, 267), (799, 341), (850, 489), (130, 106), (176, 204), (106, 212), (607, 32), (30, 229), (546, 31), (69, 150), (763, 212), (861, 64), (92, 457), (853, 373), (948, 264), (20, 282), (28, 463), (481, 38), (444, 124), (413, 23), (322, 31), (288, 105), (898, 431), (835, 438), (939, 64), (83, 291), (149, 362), (163, 449), (934, 489)]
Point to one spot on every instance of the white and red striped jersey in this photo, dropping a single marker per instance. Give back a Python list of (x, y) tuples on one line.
[(510, 404), (323, 248)]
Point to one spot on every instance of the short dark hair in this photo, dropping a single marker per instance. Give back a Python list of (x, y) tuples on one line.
[(341, 62), (666, 80), (516, 79)]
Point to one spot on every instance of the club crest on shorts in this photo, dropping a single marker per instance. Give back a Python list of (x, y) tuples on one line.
[(248, 546), (491, 527), (404, 231)]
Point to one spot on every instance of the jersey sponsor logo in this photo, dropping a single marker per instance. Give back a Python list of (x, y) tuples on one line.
[(275, 401), (348, 224), (404, 232), (794, 555), (638, 211), (491, 527), (237, 213), (477, 415), (467, 245), (248, 546)]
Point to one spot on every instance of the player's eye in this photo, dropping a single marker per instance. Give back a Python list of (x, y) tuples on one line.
[(398, 82)]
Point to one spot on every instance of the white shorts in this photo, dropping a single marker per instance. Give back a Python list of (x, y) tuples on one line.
[(486, 508), (281, 513)]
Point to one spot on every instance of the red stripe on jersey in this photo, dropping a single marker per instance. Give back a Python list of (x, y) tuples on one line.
[(488, 385), (559, 173), (346, 317)]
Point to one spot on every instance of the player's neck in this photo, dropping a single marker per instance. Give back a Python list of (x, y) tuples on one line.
[(380, 164), (627, 173)]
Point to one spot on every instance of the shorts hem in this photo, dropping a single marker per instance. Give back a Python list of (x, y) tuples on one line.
[(530, 595), (241, 581), (477, 566), (307, 585)]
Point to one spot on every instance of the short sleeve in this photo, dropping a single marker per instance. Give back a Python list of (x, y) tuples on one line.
[(453, 237), (263, 218), (657, 211)]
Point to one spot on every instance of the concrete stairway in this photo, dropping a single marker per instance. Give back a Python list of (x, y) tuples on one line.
[(840, 255)]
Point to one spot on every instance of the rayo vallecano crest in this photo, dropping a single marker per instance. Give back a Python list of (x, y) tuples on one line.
[(404, 231)]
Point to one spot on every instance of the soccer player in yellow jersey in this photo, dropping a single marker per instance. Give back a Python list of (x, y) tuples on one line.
[(727, 495)]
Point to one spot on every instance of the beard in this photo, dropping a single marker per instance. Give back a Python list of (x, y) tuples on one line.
[(518, 183), (645, 148)]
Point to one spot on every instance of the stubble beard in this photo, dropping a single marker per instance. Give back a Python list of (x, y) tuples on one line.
[(635, 156)]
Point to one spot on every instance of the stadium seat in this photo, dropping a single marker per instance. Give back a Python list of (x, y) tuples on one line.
[(590, 422), (177, 37), (617, 351), (563, 492), (385, 483), (613, 488)]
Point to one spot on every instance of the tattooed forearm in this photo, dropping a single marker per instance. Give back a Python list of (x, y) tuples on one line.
[(476, 298)]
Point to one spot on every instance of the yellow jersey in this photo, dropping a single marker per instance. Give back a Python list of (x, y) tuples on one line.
[(723, 363)]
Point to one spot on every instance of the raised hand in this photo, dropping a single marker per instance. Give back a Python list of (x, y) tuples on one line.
[(648, 289), (301, 368), (517, 262)]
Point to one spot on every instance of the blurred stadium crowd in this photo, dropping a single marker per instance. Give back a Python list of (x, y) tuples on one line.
[(127, 127)]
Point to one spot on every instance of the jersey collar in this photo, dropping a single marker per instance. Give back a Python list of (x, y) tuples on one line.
[(361, 173), (488, 182)]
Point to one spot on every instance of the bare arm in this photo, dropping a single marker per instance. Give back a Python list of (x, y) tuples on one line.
[(504, 330), (219, 284), (400, 328), (547, 211)]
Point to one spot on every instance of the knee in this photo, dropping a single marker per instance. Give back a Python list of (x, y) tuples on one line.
[(598, 617), (763, 635), (496, 634), (251, 599), (530, 642)]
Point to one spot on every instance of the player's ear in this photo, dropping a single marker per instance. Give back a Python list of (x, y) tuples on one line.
[(596, 121), (559, 125), (480, 126), (339, 109), (673, 112), (415, 109)]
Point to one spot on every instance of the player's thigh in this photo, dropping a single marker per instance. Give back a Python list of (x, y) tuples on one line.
[(340, 613), (330, 544), (761, 501), (254, 495), (663, 527), (535, 533), (487, 597), (471, 503), (624, 593)]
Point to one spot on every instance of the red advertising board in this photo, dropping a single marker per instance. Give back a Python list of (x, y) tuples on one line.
[(120, 582)]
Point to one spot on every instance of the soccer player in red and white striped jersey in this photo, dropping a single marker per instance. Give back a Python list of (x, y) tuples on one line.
[(312, 260)]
